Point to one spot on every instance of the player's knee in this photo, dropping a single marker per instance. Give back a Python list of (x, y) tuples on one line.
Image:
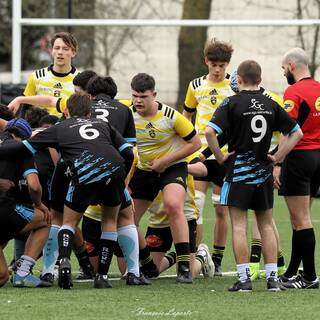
[(174, 209), (221, 212)]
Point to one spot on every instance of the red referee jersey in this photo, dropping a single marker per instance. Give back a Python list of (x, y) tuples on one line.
[(302, 102)]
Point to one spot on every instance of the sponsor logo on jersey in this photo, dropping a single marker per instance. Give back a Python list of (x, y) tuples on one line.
[(256, 105), (213, 92), (150, 126), (154, 241), (288, 105), (56, 94), (317, 104), (58, 86)]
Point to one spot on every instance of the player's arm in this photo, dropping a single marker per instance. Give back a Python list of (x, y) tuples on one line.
[(185, 129), (130, 130), (218, 125), (124, 148), (211, 136), (35, 192), (42, 140), (6, 184), (222, 139), (3, 124), (190, 103), (197, 169), (43, 101), (287, 143)]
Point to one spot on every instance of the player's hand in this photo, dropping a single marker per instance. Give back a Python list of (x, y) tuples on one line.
[(159, 165), (45, 211), (224, 157), (276, 177), (202, 157), (6, 184), (14, 105)]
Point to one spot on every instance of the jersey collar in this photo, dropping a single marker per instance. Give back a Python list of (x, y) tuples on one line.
[(57, 74)]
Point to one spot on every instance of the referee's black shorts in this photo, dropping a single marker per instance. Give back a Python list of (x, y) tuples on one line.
[(300, 173)]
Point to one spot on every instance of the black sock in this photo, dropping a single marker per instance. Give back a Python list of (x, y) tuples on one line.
[(295, 258), (145, 258), (172, 258), (65, 241), (183, 254), (82, 256), (255, 254), (308, 243), (217, 254), (280, 262), (106, 249)]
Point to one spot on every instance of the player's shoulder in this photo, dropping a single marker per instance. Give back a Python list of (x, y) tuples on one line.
[(40, 73), (197, 82), (167, 111), (272, 96)]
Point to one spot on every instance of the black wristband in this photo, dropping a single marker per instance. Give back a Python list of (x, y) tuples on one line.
[(278, 165)]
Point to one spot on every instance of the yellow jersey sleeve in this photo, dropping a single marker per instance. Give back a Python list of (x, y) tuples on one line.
[(190, 102), (126, 102), (276, 135), (30, 89), (184, 127), (61, 104)]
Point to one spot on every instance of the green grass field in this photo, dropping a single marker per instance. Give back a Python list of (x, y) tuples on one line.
[(205, 299)]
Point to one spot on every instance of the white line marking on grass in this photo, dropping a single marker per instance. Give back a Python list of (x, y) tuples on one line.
[(115, 277)]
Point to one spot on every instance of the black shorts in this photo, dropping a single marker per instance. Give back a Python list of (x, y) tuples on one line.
[(247, 196), (216, 172), (147, 184), (107, 192), (11, 222), (160, 239), (59, 186), (91, 231), (300, 173)]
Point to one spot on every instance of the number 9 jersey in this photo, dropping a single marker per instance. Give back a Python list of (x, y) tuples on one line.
[(249, 119)]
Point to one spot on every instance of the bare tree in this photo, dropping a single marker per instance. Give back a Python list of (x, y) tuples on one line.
[(110, 41), (309, 37), (191, 43)]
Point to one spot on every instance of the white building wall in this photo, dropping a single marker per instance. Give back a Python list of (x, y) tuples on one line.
[(160, 45)]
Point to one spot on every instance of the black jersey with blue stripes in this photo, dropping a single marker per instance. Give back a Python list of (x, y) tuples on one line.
[(91, 147), (249, 120)]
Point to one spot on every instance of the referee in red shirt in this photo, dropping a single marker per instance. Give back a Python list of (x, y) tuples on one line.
[(300, 172)]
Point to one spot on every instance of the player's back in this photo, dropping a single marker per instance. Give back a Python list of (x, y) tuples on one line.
[(252, 121), (115, 113)]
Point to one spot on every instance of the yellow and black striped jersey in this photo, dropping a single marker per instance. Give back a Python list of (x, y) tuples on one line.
[(47, 82), (160, 135), (158, 217), (279, 100), (205, 97)]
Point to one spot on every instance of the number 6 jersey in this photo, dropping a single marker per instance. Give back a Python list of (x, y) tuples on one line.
[(91, 147)]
